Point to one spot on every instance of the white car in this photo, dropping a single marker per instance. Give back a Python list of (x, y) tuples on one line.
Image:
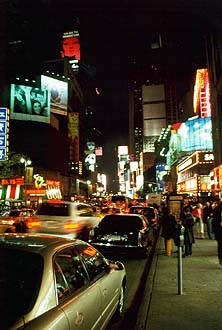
[(49, 282), (69, 219)]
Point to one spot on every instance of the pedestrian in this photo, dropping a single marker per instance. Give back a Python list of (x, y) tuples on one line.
[(198, 215), (207, 218), (168, 222), (188, 224), (217, 229)]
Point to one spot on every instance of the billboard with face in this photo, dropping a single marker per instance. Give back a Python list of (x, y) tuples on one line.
[(71, 45), (29, 103), (58, 91)]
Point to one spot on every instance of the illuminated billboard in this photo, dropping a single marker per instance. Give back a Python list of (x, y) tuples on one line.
[(201, 98), (71, 45), (29, 103), (4, 133), (196, 134), (71, 49), (73, 135), (58, 91)]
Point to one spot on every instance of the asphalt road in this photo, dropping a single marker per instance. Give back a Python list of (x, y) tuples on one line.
[(137, 270)]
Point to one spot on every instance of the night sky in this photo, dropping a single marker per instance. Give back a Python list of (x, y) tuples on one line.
[(111, 34)]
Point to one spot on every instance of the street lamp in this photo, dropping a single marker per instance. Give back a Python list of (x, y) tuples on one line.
[(25, 162)]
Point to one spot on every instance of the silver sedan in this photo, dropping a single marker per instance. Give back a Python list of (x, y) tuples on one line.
[(49, 282)]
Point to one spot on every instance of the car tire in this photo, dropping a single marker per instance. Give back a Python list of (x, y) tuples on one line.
[(119, 311), (144, 252), (84, 235)]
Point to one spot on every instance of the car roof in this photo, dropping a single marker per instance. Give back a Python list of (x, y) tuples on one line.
[(141, 207), (33, 242), (56, 202), (123, 215)]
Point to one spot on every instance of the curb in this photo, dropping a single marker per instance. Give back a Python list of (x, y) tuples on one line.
[(136, 310)]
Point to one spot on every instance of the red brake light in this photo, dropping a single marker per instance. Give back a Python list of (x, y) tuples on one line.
[(32, 223)]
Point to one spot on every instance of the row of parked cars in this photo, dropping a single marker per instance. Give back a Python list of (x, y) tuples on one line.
[(54, 267)]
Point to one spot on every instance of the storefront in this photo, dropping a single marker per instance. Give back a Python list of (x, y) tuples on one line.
[(11, 192), (15, 192), (42, 189), (193, 174)]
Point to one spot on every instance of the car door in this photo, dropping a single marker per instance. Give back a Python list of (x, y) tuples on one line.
[(76, 295), (105, 278)]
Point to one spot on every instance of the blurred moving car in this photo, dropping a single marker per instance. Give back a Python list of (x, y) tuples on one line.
[(122, 233), (49, 282), (16, 221), (69, 219)]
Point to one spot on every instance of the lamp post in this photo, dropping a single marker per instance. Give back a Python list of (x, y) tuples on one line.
[(25, 162)]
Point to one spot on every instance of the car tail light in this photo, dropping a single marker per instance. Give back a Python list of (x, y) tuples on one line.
[(32, 223), (73, 226)]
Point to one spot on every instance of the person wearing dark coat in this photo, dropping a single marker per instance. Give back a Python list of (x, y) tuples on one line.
[(168, 223), (207, 219), (188, 223), (217, 230)]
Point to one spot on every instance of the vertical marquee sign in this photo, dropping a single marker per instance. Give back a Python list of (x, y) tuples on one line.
[(4, 133)]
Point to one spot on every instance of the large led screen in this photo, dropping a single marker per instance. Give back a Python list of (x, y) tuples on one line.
[(71, 45), (29, 103), (58, 91), (196, 134)]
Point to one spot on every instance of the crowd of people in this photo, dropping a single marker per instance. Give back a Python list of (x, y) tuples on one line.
[(197, 221)]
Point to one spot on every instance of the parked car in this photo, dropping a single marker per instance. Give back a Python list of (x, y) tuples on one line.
[(49, 282), (126, 233), (69, 219), (148, 211)]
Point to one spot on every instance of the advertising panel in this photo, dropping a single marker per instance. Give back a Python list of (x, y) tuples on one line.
[(4, 133), (73, 135), (58, 93), (71, 45), (90, 159), (29, 103), (71, 49), (196, 134)]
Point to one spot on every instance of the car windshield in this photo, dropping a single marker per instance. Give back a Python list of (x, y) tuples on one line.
[(14, 213), (58, 209), (20, 279), (148, 212), (120, 224)]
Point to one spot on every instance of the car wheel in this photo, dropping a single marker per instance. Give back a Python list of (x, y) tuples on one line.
[(84, 235), (119, 311)]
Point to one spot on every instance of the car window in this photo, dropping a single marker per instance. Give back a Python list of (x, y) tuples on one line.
[(148, 212), (95, 262), (18, 292), (84, 210), (15, 213), (70, 272), (120, 224), (57, 209)]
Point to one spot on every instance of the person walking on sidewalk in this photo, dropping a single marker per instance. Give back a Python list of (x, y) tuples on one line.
[(188, 223), (168, 223), (207, 218), (217, 229), (198, 215)]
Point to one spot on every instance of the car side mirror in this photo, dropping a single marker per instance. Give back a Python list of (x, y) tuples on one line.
[(115, 265)]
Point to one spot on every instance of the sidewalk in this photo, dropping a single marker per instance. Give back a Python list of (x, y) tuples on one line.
[(199, 306)]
